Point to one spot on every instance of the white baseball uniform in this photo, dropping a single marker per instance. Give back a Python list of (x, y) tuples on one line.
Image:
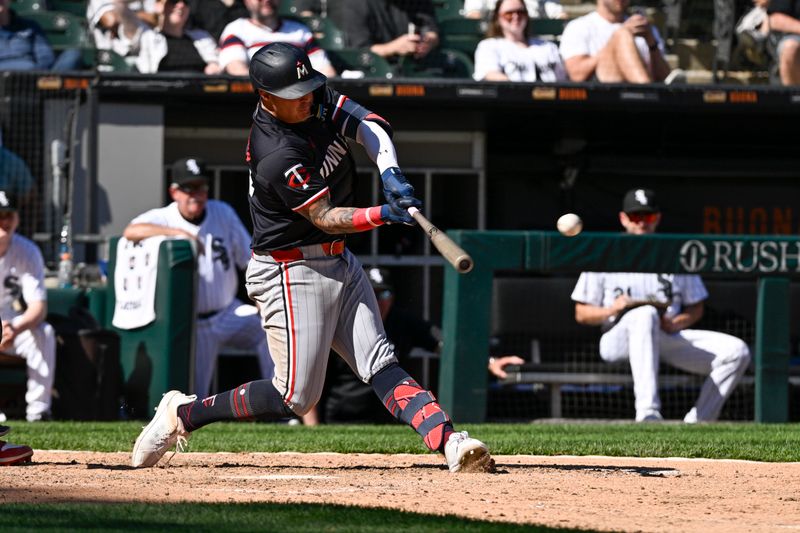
[(587, 35), (22, 270), (242, 38), (637, 336), (222, 319)]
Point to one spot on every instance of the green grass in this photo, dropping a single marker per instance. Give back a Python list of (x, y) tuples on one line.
[(758, 442), (234, 517)]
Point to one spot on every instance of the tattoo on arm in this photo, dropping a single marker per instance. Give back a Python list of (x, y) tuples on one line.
[(329, 219)]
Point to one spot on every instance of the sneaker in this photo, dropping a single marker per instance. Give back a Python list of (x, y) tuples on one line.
[(691, 416), (163, 432), (465, 454), (12, 454), (650, 416), (3, 417)]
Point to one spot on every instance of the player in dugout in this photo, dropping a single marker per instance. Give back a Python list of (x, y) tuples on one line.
[(312, 292), (648, 317)]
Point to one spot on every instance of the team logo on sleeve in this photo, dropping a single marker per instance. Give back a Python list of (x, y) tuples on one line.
[(298, 177)]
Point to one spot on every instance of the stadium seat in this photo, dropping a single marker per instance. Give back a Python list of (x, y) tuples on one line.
[(547, 27), (106, 61), (74, 7), (63, 30), (372, 65), (461, 34), (441, 63), (23, 7), (289, 8), (327, 35), (447, 9)]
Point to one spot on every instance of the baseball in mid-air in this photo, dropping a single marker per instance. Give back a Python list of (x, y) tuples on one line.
[(569, 224)]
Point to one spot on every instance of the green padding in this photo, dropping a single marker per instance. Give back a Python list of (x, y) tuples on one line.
[(62, 301), (158, 357), (467, 298), (772, 351)]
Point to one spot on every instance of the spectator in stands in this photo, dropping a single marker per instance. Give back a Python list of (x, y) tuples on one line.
[(509, 53), (223, 244), (214, 15), (537, 9), (784, 24), (389, 28), (115, 27), (646, 319), (345, 398), (24, 46), (172, 47), (244, 37), (16, 177), (23, 308), (609, 46)]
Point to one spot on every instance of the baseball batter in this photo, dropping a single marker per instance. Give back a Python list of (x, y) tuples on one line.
[(311, 290), (646, 318), (223, 245), (23, 308)]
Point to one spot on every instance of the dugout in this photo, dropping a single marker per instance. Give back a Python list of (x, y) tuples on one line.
[(485, 156)]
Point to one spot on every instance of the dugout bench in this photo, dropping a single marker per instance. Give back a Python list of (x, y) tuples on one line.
[(467, 306)]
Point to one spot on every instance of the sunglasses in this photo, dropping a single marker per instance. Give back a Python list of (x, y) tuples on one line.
[(190, 188), (508, 16), (647, 218)]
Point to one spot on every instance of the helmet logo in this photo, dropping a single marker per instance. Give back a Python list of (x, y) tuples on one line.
[(301, 70)]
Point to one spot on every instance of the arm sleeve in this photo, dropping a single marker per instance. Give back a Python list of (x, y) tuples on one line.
[(486, 59), (231, 48), (588, 289), (345, 115), (42, 51), (154, 216), (694, 290), (293, 175), (206, 46), (32, 280), (377, 144), (573, 42)]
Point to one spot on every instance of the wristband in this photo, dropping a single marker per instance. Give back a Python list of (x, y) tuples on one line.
[(367, 218)]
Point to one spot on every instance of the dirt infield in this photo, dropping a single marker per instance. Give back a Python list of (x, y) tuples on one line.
[(583, 492)]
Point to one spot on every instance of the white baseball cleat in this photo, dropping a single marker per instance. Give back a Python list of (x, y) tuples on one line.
[(163, 432), (465, 454)]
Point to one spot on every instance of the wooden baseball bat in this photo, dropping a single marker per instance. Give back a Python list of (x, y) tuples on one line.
[(454, 254)]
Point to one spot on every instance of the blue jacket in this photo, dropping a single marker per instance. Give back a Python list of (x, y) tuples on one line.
[(23, 46)]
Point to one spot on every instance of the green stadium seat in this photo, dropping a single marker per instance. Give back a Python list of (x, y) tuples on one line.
[(63, 30), (74, 7), (441, 63), (327, 35), (461, 34), (372, 65), (106, 61), (446, 9), (23, 7), (289, 8), (547, 27)]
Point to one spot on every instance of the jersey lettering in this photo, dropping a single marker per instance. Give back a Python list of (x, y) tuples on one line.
[(333, 156), (665, 281), (220, 252), (12, 284)]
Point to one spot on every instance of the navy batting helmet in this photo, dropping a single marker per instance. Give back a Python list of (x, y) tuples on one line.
[(284, 70)]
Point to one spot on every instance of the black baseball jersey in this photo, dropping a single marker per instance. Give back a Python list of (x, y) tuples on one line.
[(293, 165)]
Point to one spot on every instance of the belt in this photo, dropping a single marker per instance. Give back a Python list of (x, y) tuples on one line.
[(207, 314), (296, 254)]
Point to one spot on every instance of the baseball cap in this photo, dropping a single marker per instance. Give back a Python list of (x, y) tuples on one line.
[(187, 170), (640, 201), (8, 201)]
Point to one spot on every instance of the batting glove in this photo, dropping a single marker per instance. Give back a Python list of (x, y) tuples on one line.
[(395, 184), (390, 215)]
